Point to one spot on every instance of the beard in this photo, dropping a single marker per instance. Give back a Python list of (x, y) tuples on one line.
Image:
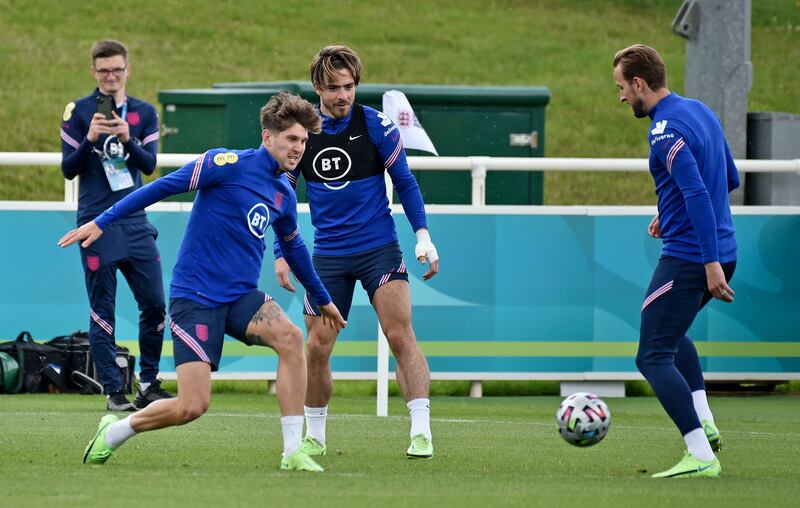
[(336, 111), (638, 108)]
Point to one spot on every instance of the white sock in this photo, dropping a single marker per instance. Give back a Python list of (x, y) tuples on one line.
[(420, 411), (315, 422), (697, 444), (143, 387), (701, 405), (119, 432), (292, 427)]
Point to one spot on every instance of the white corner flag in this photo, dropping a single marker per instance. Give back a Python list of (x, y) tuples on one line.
[(398, 109)]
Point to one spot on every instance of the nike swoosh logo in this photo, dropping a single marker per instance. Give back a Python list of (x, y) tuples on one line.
[(355, 137), (700, 469)]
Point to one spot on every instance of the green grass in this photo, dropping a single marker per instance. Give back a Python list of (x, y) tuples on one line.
[(565, 45), (489, 452)]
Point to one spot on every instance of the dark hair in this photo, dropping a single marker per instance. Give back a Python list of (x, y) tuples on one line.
[(643, 62), (284, 110), (108, 48), (333, 58)]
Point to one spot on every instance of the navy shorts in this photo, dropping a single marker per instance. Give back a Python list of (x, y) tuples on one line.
[(198, 331), (339, 274)]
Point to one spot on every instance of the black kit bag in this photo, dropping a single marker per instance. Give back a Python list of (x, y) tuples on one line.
[(127, 366), (40, 367), (81, 373), (80, 370)]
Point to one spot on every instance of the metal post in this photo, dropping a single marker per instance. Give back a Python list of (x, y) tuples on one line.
[(476, 389), (71, 190), (382, 373), (479, 167), (382, 401), (718, 67)]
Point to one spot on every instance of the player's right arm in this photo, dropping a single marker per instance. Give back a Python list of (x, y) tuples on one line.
[(198, 174), (75, 145)]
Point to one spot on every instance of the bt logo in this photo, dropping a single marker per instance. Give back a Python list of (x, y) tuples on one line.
[(332, 164), (258, 219)]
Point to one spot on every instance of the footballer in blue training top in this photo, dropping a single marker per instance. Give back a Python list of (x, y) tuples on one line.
[(241, 193), (693, 171), (355, 239)]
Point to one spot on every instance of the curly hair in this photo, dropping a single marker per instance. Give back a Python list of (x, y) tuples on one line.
[(284, 110)]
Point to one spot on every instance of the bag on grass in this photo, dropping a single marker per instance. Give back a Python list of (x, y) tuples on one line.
[(81, 371), (9, 374), (40, 367)]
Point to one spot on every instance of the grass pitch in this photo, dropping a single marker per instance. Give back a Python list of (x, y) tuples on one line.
[(496, 451)]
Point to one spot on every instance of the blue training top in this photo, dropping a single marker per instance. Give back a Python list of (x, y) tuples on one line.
[(350, 210), (693, 170), (82, 158), (240, 194)]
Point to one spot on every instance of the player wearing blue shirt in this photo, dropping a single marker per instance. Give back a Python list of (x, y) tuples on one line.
[(693, 171), (109, 156), (214, 285), (355, 239)]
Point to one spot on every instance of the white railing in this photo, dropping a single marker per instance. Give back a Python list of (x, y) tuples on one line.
[(477, 165)]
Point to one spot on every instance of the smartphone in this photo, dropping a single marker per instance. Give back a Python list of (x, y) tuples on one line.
[(105, 106)]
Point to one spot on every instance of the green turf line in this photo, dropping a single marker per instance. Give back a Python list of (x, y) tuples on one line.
[(525, 349)]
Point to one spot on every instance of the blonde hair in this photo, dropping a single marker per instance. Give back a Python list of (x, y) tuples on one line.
[(332, 58)]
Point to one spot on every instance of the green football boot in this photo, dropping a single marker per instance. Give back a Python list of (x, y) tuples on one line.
[(98, 452), (421, 448), (312, 447), (692, 467), (712, 433), (299, 461)]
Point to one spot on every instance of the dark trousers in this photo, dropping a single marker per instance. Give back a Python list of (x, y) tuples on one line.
[(667, 357), (131, 249)]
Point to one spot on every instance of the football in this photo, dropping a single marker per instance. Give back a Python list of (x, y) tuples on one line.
[(583, 419)]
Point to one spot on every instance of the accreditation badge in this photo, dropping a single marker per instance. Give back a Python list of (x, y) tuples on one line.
[(113, 158), (117, 174)]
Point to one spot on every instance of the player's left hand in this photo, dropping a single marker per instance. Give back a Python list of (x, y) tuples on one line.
[(654, 229), (89, 232), (425, 250), (717, 284), (332, 317), (121, 128)]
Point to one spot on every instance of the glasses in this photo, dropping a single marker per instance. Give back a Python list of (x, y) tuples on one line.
[(117, 71)]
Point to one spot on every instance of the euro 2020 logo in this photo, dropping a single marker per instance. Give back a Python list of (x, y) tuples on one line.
[(332, 164)]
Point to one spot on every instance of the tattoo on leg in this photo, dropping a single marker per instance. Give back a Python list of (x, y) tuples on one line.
[(268, 312)]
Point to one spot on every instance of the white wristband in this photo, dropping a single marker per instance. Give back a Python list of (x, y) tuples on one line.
[(425, 247), (423, 236)]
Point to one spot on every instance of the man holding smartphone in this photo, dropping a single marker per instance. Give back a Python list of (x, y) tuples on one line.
[(109, 139)]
